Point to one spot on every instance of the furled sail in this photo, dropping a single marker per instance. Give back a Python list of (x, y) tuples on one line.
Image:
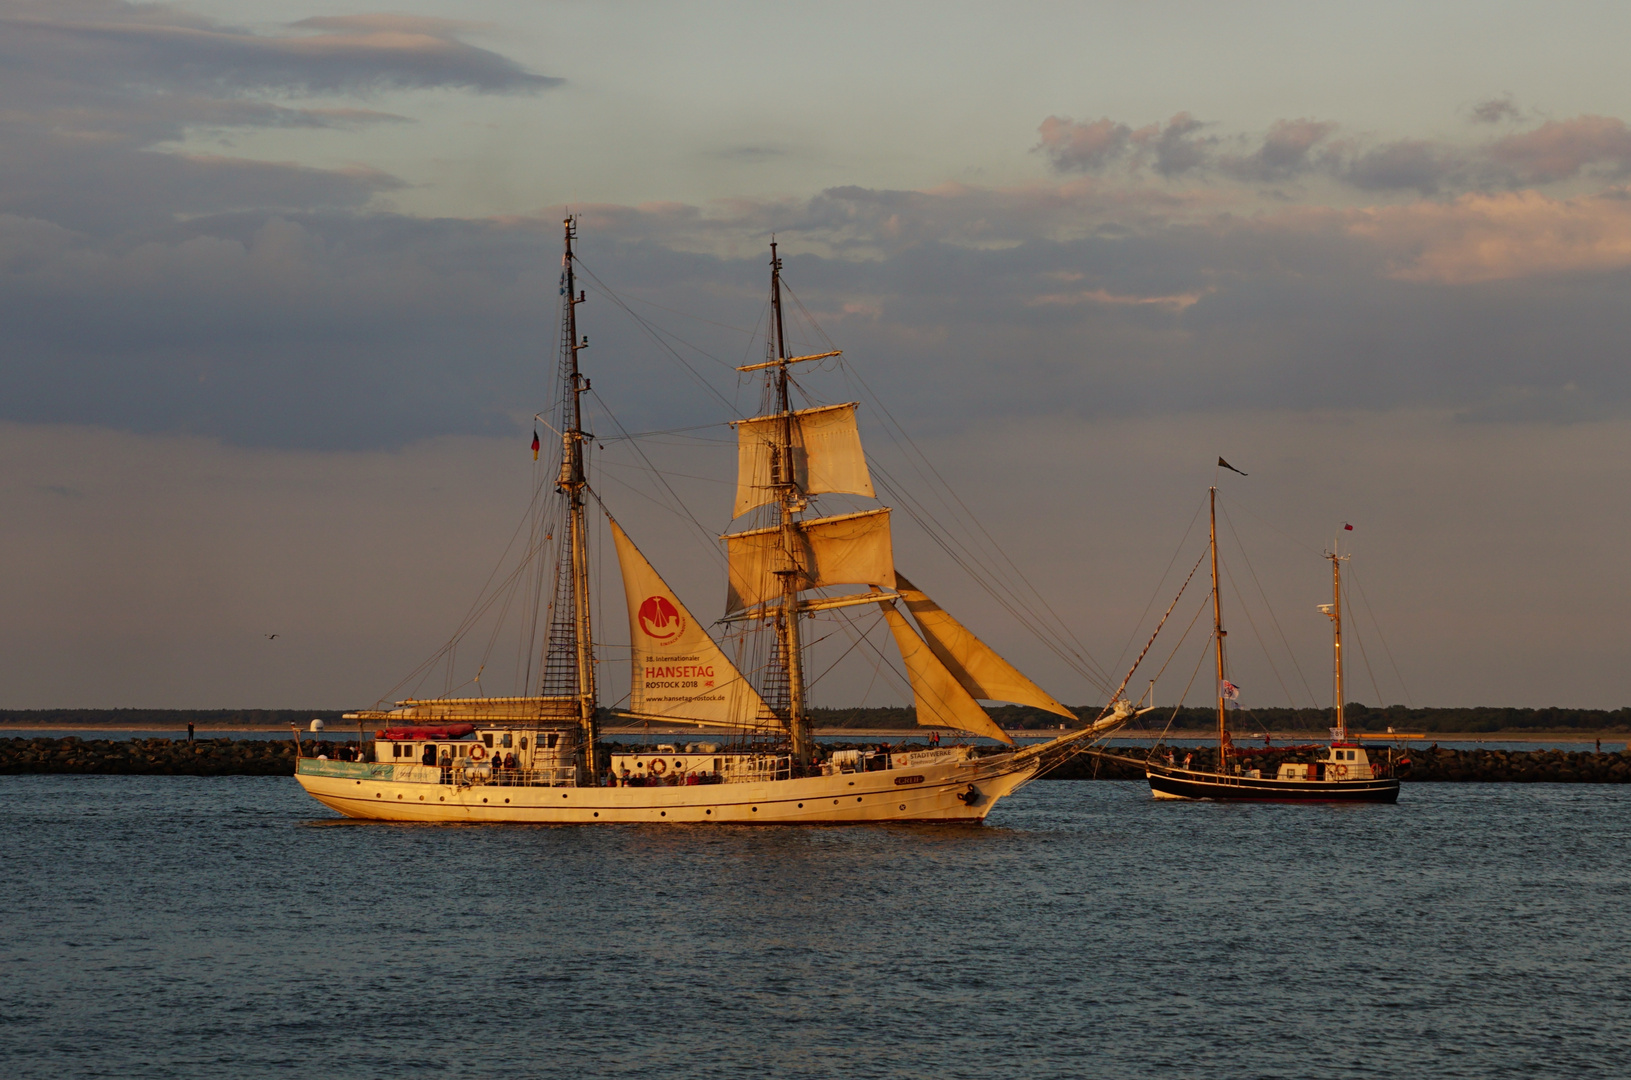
[(982, 672), (940, 698), (676, 669), (846, 549), (827, 455)]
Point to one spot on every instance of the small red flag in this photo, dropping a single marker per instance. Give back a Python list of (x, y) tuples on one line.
[(1345, 525), (535, 450)]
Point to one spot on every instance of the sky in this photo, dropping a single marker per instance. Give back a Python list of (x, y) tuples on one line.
[(278, 293)]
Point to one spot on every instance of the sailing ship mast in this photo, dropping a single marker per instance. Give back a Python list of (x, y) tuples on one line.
[(572, 482), (790, 502), (1339, 733), (1218, 634)]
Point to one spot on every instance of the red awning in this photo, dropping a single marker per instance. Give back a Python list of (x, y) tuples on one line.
[(450, 731)]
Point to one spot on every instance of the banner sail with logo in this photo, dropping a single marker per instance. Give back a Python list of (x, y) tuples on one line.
[(976, 665), (827, 455), (676, 669), (938, 696)]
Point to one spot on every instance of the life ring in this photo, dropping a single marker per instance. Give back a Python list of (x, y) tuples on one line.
[(477, 752), (657, 767), (1341, 771)]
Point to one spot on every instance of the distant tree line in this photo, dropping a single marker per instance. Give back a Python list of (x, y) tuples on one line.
[(1244, 721), (1360, 717), (176, 718)]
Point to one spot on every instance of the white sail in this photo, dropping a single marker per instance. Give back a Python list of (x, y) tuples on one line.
[(676, 669), (940, 699), (847, 549), (827, 455), (977, 666)]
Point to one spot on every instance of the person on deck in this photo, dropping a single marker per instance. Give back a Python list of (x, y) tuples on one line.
[(446, 763)]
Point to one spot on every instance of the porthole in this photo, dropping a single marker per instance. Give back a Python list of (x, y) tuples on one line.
[(597, 813), (755, 809), (399, 796), (484, 800), (903, 806), (707, 811), (857, 798), (441, 798), (379, 794), (563, 794), (801, 806), (662, 813), (421, 798), (506, 800)]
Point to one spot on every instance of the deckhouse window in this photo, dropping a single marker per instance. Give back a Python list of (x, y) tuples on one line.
[(487, 739), (506, 738)]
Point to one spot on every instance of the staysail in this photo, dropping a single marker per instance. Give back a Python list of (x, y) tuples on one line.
[(847, 549), (676, 670), (939, 697), (825, 450), (982, 672)]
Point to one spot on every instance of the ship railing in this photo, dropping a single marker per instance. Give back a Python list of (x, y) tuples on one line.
[(452, 775), (757, 770)]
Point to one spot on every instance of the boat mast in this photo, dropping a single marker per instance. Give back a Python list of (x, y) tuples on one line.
[(1218, 634), (572, 483), (1340, 732), (791, 502)]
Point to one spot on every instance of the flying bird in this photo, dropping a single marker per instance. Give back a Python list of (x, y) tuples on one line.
[(270, 637)]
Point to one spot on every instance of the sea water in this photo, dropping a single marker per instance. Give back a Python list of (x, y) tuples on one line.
[(232, 927)]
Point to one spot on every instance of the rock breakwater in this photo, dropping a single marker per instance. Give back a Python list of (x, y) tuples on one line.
[(162, 757)]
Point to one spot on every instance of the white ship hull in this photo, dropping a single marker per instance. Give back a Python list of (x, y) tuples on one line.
[(952, 791)]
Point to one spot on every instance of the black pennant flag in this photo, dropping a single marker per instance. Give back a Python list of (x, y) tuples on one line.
[(1231, 468)]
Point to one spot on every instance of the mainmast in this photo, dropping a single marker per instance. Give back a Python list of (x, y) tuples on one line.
[(572, 483), (1339, 733), (1218, 634), (791, 501)]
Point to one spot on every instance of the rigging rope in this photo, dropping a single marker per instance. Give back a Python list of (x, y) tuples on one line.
[(1272, 617)]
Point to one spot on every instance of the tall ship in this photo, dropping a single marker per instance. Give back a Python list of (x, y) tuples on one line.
[(540, 757), (1346, 772)]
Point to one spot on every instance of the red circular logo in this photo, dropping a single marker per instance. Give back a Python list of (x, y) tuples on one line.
[(660, 619)]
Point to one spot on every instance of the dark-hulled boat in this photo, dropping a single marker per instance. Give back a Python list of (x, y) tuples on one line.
[(1345, 774)]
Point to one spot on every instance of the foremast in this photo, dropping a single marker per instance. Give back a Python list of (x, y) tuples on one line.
[(1218, 634), (572, 483), (791, 501)]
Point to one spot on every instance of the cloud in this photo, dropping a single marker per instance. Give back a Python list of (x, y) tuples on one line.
[(1502, 236), (1283, 154), (1172, 146), (1401, 165), (164, 48), (1560, 149), (1073, 146), (94, 88), (1495, 110)]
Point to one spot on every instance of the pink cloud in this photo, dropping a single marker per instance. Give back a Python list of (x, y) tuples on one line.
[(1559, 149), (1483, 237), (1081, 147)]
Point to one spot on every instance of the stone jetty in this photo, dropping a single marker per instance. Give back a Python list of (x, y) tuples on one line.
[(160, 757), (275, 757)]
